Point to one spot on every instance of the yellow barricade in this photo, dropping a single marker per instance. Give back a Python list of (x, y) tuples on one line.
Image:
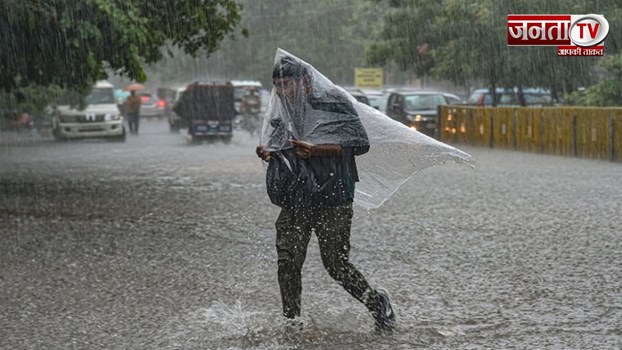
[(557, 126), (503, 128), (569, 131)]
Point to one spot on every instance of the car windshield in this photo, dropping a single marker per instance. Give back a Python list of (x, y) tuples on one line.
[(536, 99), (475, 97), (100, 96), (423, 102), (509, 99), (378, 102), (453, 99)]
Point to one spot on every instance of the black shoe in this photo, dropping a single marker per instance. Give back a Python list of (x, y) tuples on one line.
[(384, 315)]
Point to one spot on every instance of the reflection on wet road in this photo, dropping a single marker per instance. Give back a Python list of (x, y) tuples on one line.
[(159, 244)]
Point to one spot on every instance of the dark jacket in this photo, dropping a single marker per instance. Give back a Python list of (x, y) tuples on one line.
[(319, 182)]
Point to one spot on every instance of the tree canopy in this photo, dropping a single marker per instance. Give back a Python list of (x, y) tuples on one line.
[(466, 42), (71, 43), (330, 34), (607, 91)]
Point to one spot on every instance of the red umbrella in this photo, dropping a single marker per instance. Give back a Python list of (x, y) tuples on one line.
[(134, 87)]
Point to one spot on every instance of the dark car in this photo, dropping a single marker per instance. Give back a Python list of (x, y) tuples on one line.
[(358, 95), (534, 97), (171, 95), (208, 108), (418, 109)]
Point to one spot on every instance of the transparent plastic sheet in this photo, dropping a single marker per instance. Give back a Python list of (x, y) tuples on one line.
[(396, 152)]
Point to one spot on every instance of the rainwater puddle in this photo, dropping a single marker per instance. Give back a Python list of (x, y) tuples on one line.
[(239, 325)]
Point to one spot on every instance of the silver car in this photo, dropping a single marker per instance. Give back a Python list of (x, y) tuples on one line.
[(152, 107)]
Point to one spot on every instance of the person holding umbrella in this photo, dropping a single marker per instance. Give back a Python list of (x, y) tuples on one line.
[(132, 107)]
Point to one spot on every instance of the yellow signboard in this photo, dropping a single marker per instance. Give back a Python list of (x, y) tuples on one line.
[(371, 78)]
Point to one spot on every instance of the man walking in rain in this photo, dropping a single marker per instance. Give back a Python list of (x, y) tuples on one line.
[(313, 135)]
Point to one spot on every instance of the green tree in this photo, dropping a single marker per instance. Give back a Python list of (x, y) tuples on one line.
[(72, 43), (606, 92), (407, 36), (467, 42), (330, 34), (33, 99)]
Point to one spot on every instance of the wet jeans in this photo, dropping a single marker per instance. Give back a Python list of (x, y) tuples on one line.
[(332, 228), (133, 119)]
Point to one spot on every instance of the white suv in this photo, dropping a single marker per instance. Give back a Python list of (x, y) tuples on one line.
[(100, 118)]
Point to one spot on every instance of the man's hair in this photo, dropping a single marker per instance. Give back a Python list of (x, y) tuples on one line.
[(287, 67)]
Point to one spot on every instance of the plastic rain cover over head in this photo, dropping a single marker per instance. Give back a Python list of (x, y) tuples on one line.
[(305, 105)]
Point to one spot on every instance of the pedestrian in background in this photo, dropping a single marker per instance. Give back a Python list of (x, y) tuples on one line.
[(132, 109), (311, 175), (25, 123)]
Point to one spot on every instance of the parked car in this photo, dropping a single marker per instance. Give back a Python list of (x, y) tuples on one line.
[(418, 109), (453, 99), (377, 99), (534, 97), (357, 94), (99, 119)]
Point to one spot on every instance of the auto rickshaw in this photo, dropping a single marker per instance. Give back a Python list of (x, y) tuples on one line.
[(208, 110)]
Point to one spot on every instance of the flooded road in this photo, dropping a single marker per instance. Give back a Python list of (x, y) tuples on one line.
[(159, 244)]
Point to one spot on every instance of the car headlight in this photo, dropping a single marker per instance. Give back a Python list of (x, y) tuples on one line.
[(111, 117), (414, 118)]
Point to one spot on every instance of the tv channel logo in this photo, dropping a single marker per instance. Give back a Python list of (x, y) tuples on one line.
[(574, 35)]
